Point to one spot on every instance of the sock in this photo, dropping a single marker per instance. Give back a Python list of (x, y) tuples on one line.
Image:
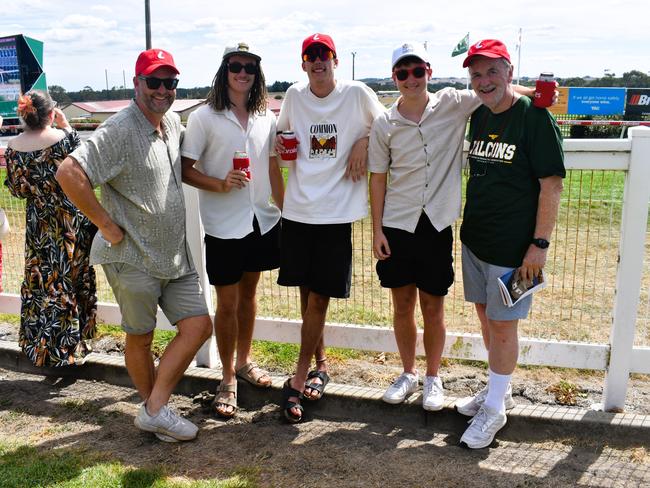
[(498, 384)]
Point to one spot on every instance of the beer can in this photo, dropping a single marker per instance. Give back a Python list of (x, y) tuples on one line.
[(290, 144), (544, 90), (242, 162)]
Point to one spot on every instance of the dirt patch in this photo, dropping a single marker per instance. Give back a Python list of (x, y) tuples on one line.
[(531, 385), (97, 418)]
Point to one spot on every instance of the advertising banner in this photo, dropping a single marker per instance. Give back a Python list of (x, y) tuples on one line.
[(638, 101), (562, 105), (596, 101)]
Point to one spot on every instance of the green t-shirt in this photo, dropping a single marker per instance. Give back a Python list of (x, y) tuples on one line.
[(509, 153)]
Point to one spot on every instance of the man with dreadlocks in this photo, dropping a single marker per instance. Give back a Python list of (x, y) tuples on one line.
[(241, 227)]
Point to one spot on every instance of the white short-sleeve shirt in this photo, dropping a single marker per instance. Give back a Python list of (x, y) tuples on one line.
[(211, 138), (317, 191), (423, 159)]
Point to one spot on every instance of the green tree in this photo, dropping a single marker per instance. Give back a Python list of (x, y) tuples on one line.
[(59, 94)]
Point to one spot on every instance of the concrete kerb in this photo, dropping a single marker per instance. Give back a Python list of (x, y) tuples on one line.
[(361, 404)]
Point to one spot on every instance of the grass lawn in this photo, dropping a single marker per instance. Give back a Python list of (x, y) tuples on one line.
[(25, 465)]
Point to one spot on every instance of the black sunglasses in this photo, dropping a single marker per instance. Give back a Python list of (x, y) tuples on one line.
[(322, 52), (402, 74), (236, 67), (154, 83)]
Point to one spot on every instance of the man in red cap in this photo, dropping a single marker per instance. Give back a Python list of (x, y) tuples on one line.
[(516, 166), (135, 158), (326, 191)]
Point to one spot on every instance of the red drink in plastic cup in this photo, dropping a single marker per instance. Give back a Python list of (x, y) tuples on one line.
[(242, 162), (290, 144), (544, 90)]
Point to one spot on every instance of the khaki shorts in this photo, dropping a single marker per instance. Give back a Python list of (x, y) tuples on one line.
[(139, 294)]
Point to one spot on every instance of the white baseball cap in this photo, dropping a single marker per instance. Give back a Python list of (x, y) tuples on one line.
[(410, 49), (242, 49)]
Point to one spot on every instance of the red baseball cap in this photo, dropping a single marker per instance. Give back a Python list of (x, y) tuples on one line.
[(323, 39), (152, 59), (490, 48)]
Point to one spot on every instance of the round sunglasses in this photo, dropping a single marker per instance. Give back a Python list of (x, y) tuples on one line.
[(403, 73)]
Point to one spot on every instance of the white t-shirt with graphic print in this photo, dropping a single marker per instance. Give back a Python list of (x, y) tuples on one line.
[(317, 190)]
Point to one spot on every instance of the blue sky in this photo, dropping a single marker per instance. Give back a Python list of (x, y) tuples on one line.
[(84, 39)]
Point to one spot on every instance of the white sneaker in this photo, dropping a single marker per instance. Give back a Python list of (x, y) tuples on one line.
[(166, 423), (470, 405), (483, 427), (433, 396), (406, 384)]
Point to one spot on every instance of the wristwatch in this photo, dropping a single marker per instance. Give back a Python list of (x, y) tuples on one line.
[(541, 243)]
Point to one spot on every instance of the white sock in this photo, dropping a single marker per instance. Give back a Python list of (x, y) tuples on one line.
[(498, 385)]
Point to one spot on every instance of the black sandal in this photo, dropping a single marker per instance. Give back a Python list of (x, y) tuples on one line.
[(319, 387), (287, 392)]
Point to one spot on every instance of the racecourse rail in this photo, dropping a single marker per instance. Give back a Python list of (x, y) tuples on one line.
[(579, 282)]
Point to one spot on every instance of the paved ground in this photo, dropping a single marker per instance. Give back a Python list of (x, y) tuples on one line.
[(84, 414)]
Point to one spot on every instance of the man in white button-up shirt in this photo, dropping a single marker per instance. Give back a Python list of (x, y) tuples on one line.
[(242, 227), (419, 143)]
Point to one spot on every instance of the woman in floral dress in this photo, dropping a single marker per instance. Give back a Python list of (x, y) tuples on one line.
[(58, 293)]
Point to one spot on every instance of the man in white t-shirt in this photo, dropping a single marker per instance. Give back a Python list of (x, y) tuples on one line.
[(326, 192), (242, 227)]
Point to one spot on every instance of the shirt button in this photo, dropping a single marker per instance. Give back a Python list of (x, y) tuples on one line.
[(426, 185)]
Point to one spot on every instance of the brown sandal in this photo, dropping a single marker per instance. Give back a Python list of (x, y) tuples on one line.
[(222, 398), (252, 373)]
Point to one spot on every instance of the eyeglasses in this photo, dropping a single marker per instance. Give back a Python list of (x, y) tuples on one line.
[(322, 52), (236, 67), (154, 83), (403, 73)]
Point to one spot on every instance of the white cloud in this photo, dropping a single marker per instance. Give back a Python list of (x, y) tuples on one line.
[(82, 39)]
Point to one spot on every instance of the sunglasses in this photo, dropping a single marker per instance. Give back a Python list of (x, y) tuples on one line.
[(154, 83), (402, 74), (236, 67), (322, 52)]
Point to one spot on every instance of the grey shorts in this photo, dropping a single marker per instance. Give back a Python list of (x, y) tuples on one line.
[(138, 296), (480, 285)]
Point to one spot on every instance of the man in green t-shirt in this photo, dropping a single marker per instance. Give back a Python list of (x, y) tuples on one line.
[(516, 166)]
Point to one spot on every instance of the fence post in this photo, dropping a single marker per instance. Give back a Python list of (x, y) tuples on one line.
[(207, 355), (630, 268)]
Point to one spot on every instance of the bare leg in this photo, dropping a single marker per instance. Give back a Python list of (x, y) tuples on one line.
[(404, 324), (433, 311), (139, 362), (192, 333), (246, 317), (311, 332), (504, 350), (485, 330), (246, 312), (320, 355), (225, 328)]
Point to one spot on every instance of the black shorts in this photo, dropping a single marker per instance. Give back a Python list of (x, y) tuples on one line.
[(424, 258), (318, 256), (227, 259)]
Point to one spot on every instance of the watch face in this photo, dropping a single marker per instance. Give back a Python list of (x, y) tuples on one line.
[(541, 243)]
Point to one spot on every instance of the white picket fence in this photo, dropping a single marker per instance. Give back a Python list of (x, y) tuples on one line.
[(618, 358)]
